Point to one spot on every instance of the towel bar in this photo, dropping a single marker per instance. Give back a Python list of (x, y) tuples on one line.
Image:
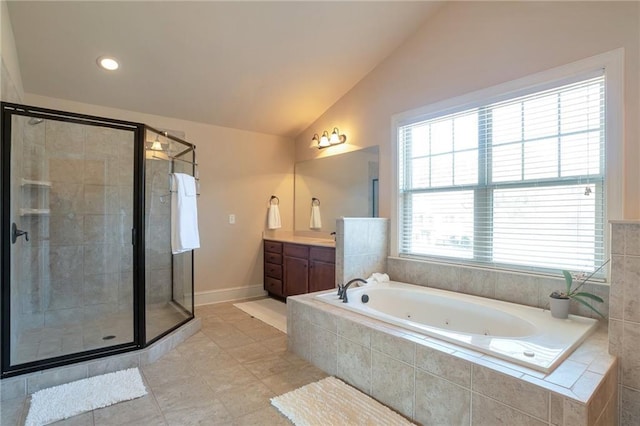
[(171, 192), (315, 201), (195, 178), (174, 158), (273, 197)]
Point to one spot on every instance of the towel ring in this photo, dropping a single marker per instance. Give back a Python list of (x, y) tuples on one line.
[(273, 197), (315, 201)]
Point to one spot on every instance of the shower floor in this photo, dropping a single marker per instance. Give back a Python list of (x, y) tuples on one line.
[(114, 329)]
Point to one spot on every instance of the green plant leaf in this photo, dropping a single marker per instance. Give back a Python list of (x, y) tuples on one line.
[(588, 306), (568, 279), (589, 296)]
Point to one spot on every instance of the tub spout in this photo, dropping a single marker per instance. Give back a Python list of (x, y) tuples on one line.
[(346, 286)]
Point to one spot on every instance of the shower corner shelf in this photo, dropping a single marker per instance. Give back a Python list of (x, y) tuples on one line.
[(35, 212), (38, 183)]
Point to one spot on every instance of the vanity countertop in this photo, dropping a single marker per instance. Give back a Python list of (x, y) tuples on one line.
[(296, 239)]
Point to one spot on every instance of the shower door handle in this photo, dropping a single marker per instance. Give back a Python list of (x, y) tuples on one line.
[(15, 233)]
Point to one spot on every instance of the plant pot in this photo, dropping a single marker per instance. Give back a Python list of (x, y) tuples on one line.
[(559, 307)]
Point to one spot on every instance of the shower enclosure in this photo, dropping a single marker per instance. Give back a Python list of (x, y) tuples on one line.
[(87, 269)]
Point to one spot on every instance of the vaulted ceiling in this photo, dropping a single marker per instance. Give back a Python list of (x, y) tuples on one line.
[(271, 67)]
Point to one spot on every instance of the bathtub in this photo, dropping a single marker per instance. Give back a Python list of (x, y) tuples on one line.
[(521, 334)]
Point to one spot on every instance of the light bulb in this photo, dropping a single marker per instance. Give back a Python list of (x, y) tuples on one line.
[(107, 63), (335, 138), (324, 140)]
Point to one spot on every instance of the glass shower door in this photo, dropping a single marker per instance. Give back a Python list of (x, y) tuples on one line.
[(168, 277), (71, 254)]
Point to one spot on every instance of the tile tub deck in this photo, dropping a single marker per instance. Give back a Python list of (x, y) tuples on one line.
[(435, 382)]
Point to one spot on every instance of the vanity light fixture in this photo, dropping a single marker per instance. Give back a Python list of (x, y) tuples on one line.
[(325, 140), (108, 63)]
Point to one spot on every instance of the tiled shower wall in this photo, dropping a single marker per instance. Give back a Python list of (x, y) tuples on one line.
[(624, 315), (77, 265), (157, 232)]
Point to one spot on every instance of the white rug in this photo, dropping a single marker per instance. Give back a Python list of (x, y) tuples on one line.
[(269, 310), (64, 401), (333, 402)]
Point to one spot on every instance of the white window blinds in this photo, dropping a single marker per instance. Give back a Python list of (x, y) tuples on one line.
[(517, 184)]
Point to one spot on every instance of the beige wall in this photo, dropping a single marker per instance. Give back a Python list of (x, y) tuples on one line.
[(239, 171), (468, 46), (9, 59)]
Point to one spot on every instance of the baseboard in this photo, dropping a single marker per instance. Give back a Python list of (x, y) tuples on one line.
[(228, 294)]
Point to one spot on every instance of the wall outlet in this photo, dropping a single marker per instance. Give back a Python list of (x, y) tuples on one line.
[(232, 219)]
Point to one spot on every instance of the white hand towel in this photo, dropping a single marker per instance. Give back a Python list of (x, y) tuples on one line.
[(377, 278), (273, 219), (315, 222), (184, 214), (380, 277)]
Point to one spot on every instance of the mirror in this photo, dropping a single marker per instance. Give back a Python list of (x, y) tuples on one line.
[(346, 185)]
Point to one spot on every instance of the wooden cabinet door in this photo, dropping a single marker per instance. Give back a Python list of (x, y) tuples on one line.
[(296, 276), (273, 286), (322, 276)]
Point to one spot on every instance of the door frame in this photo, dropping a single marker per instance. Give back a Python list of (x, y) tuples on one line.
[(8, 110)]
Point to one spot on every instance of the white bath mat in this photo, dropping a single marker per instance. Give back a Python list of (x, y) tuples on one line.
[(333, 402), (271, 311), (64, 401)]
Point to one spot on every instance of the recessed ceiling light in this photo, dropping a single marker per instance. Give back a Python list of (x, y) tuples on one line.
[(107, 63)]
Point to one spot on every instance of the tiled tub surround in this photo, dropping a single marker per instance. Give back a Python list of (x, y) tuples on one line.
[(524, 289), (27, 384), (624, 315), (434, 382), (362, 245), (524, 335)]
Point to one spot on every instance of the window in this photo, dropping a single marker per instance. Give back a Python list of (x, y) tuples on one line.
[(517, 183)]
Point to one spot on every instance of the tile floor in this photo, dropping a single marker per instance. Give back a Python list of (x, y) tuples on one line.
[(223, 375)]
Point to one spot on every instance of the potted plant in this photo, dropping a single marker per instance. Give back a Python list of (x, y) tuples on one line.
[(559, 300)]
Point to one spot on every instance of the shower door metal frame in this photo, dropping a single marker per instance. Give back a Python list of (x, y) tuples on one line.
[(9, 110), (194, 164), (137, 234)]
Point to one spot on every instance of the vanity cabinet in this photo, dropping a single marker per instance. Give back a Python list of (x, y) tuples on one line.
[(296, 269), (322, 268), (291, 269), (273, 268)]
